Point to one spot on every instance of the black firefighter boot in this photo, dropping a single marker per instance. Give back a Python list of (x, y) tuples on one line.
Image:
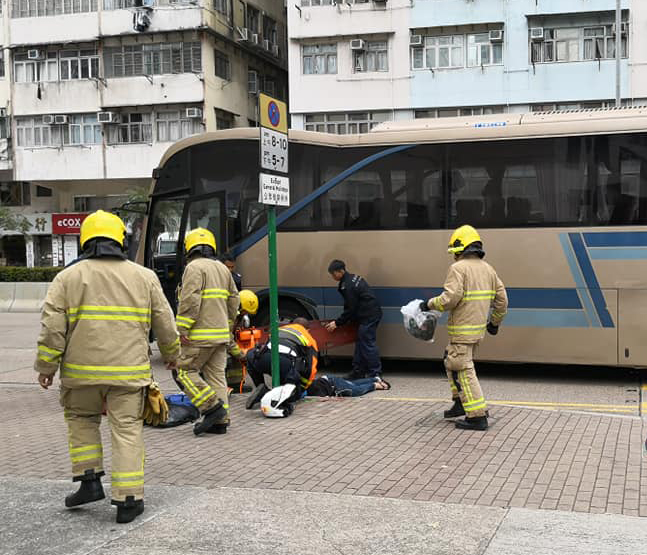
[(128, 510), (477, 423), (456, 410), (214, 415), (90, 490)]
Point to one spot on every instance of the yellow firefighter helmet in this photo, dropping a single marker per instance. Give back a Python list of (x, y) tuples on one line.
[(462, 238), (103, 224), (248, 301), (199, 236)]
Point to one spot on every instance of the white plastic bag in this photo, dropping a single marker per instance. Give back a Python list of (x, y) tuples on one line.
[(421, 324)]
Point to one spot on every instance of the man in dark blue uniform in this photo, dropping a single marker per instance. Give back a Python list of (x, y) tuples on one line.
[(360, 306)]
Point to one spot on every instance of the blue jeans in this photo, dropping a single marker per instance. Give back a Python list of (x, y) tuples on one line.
[(366, 361), (355, 388)]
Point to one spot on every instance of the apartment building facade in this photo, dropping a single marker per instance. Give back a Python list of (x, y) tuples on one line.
[(355, 63), (92, 92)]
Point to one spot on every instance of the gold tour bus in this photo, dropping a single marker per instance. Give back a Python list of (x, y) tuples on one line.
[(560, 199)]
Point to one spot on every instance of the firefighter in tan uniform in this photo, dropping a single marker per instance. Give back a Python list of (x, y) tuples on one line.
[(208, 301), (471, 289), (95, 328)]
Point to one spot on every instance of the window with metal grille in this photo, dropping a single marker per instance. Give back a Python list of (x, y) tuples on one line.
[(153, 59)]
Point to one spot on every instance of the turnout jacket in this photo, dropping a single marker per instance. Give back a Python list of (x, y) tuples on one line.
[(360, 304), (208, 302), (96, 320), (472, 287)]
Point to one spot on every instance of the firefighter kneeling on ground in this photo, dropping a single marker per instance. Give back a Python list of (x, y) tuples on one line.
[(208, 301), (471, 288), (95, 325), (298, 356), (235, 374)]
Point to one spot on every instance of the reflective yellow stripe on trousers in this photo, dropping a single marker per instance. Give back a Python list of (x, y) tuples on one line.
[(127, 479)]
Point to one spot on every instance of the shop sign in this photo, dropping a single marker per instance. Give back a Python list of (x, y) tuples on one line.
[(67, 224)]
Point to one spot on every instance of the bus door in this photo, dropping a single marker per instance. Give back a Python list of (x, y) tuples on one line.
[(162, 241), (207, 212), (632, 339)]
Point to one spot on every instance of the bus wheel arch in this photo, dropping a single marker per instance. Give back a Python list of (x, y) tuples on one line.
[(290, 306)]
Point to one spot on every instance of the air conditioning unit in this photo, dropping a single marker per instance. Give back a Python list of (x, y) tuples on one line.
[(357, 44), (415, 40), (536, 33), (60, 120), (34, 54), (266, 44), (243, 34), (48, 119), (275, 50), (624, 28), (193, 113), (254, 39), (496, 35), (107, 117)]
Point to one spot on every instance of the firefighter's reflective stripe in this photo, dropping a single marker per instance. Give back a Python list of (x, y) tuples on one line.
[(466, 330), (197, 397), (437, 304), (128, 479), (86, 453), (486, 295), (184, 321), (215, 294), (296, 334), (49, 355), (123, 313), (116, 373), (213, 333), (169, 349), (470, 404)]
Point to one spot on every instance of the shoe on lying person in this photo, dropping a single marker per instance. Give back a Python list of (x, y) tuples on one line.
[(256, 395)]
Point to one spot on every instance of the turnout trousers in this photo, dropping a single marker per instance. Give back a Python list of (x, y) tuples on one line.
[(459, 365), (201, 375), (125, 406)]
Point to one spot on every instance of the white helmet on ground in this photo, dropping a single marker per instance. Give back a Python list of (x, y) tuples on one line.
[(276, 403)]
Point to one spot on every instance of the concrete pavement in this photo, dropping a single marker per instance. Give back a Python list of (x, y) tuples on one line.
[(196, 521), (379, 474)]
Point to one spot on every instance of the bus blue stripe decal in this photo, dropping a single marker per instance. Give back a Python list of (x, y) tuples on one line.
[(292, 210), (618, 253), (520, 298), (516, 318), (616, 239), (579, 280), (584, 263)]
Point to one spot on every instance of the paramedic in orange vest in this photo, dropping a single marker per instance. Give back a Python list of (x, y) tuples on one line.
[(298, 356)]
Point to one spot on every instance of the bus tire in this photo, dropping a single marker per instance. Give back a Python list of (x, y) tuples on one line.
[(288, 310)]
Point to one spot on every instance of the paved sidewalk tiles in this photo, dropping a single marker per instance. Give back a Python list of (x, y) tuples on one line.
[(370, 447)]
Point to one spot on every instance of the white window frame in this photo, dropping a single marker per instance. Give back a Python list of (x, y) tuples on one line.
[(173, 125), (82, 129), (43, 8), (130, 60), (481, 51), (135, 128), (375, 58), (82, 59), (436, 49), (345, 123), (591, 40), (319, 59)]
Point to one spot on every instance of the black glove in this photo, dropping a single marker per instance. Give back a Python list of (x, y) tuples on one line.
[(492, 329), (424, 307)]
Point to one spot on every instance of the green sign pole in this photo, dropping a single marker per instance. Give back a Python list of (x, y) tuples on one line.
[(274, 293)]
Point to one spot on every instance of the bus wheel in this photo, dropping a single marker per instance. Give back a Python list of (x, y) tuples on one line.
[(288, 310)]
